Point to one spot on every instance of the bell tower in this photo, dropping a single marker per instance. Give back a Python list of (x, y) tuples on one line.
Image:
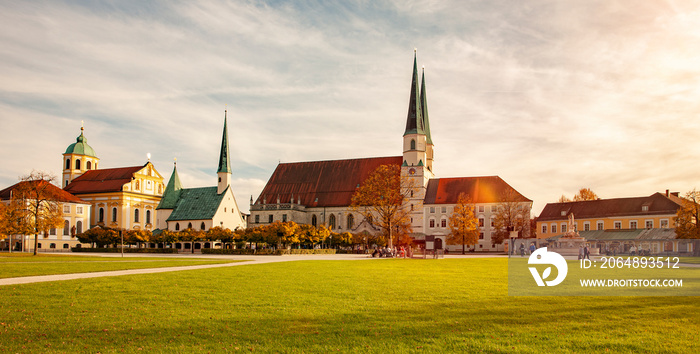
[(78, 159), (416, 169)]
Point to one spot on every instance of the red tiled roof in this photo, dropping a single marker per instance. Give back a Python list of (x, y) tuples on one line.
[(321, 183), (102, 181), (58, 193), (479, 189), (657, 203)]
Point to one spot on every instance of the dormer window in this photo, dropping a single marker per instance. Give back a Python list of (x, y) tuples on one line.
[(563, 213), (645, 208)]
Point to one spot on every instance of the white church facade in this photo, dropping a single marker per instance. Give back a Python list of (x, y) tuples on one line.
[(320, 192)]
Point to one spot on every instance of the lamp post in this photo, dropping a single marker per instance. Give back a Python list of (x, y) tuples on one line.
[(121, 235)]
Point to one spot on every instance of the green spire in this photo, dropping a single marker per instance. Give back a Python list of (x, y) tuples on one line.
[(172, 191), (414, 121), (424, 110), (224, 161)]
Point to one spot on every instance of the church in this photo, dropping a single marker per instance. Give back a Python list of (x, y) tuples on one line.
[(320, 192), (205, 207), (123, 197)]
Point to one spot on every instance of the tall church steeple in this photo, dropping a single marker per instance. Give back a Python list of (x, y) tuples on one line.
[(224, 171), (414, 120), (414, 137), (426, 123)]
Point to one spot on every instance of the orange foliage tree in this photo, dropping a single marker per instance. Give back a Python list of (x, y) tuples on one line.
[(383, 198)]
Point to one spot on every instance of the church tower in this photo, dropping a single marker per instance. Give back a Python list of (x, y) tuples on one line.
[(224, 171), (416, 169), (78, 159)]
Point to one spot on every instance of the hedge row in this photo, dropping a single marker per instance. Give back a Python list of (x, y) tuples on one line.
[(126, 250), (278, 252)]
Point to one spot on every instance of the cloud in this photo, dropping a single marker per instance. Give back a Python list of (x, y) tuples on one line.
[(550, 96)]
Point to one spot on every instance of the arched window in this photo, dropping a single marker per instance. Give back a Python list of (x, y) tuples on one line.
[(88, 165), (53, 245), (66, 227), (148, 216), (177, 226), (413, 144), (77, 164), (160, 189), (137, 185), (189, 226), (202, 227), (79, 227), (101, 217), (114, 214), (136, 215), (67, 164), (331, 221), (351, 221), (314, 220), (65, 245)]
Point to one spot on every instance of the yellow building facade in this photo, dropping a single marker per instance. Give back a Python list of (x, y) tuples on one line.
[(124, 197)]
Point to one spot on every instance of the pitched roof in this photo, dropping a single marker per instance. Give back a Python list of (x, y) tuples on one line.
[(321, 183), (58, 193), (196, 204), (657, 204), (414, 120), (172, 192), (102, 181), (479, 189)]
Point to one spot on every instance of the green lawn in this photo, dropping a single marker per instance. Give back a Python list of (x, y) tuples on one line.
[(690, 260), (22, 265), (447, 305)]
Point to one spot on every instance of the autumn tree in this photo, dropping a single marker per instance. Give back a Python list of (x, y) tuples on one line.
[(463, 224), (382, 198), (585, 194), (13, 221), (37, 204), (138, 236), (513, 213), (100, 236), (563, 199), (219, 233), (688, 216)]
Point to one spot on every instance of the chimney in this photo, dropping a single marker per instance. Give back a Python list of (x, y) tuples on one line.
[(667, 193)]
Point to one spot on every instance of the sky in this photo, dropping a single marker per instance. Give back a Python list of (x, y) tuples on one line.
[(550, 95)]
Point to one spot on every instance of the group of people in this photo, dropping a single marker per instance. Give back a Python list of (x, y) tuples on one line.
[(392, 252), (531, 249)]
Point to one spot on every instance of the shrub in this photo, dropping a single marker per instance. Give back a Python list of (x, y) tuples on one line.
[(126, 250), (266, 252)]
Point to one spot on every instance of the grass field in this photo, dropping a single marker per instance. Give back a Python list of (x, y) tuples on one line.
[(448, 305), (23, 264)]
